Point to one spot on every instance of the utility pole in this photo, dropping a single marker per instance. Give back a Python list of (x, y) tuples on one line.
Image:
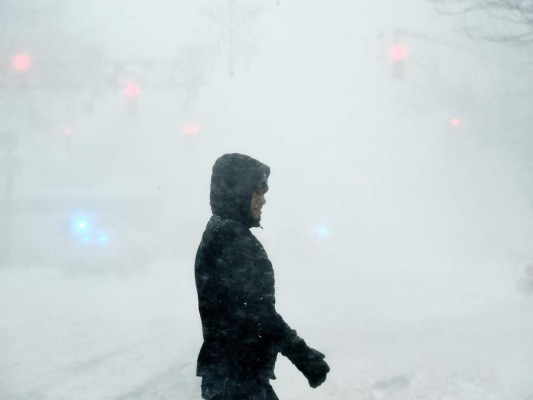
[(8, 143), (233, 29)]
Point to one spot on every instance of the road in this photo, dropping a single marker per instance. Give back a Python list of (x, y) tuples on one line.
[(135, 337)]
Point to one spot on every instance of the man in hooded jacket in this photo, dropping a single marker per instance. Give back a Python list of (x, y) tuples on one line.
[(242, 331)]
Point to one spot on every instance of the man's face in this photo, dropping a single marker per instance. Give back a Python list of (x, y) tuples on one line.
[(258, 201)]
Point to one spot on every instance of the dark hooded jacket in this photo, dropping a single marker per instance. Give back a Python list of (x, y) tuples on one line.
[(235, 281)]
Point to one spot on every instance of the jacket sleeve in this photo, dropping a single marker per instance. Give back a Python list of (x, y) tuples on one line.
[(248, 278)]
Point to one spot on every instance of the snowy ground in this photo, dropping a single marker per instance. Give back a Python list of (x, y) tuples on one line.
[(136, 336)]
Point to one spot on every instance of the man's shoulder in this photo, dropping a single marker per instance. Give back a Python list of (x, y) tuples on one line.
[(226, 227)]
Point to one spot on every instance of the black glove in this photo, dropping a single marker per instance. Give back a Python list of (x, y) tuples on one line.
[(309, 361)]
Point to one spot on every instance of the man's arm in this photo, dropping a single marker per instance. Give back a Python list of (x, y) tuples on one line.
[(250, 280)]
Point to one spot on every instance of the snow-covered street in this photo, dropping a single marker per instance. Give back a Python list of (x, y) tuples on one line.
[(136, 336), (96, 338)]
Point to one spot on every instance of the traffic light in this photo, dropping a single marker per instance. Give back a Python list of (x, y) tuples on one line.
[(398, 52), (397, 56), (455, 122), (69, 131), (68, 134), (190, 130), (21, 62), (132, 91)]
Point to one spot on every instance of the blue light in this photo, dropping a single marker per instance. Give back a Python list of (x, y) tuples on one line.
[(85, 229), (80, 225), (323, 231)]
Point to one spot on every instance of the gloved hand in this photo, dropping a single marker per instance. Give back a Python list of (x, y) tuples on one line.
[(314, 368), (309, 361)]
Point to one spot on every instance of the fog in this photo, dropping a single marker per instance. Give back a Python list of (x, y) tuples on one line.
[(398, 220)]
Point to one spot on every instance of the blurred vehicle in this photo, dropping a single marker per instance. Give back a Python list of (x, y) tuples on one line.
[(84, 234)]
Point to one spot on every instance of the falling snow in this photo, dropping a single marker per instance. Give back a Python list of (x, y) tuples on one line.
[(398, 219)]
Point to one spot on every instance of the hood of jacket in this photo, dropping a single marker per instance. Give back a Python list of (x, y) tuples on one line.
[(234, 179)]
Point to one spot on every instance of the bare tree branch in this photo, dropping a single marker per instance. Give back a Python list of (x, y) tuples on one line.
[(515, 16)]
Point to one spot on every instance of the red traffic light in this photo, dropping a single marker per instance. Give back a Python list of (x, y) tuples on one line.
[(190, 130), (69, 131), (455, 122), (21, 62), (132, 89), (398, 52)]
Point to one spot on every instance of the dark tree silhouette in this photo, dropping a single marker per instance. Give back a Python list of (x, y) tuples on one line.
[(499, 20)]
